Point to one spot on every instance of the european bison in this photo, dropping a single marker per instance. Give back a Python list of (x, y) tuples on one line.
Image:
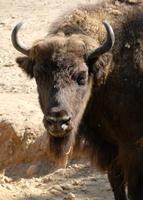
[(91, 94)]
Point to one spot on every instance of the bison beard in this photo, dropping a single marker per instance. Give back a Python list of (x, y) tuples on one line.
[(60, 148)]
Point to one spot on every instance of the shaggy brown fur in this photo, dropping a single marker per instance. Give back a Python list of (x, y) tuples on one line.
[(104, 98)]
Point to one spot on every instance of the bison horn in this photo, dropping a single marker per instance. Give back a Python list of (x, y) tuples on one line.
[(15, 41), (106, 46)]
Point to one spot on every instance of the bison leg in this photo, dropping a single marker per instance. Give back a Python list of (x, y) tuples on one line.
[(135, 185), (116, 179)]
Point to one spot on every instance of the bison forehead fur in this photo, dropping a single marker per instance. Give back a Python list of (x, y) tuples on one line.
[(93, 107)]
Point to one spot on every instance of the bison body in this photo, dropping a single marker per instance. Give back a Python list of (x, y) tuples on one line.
[(91, 95)]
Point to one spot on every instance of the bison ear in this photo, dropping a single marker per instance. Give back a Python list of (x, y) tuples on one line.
[(101, 65), (26, 65)]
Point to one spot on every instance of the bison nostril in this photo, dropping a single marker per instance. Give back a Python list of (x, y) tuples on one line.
[(65, 119), (55, 120)]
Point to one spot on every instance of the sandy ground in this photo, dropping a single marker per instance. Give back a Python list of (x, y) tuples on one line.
[(25, 181)]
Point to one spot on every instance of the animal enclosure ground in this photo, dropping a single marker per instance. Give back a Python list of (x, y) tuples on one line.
[(18, 100)]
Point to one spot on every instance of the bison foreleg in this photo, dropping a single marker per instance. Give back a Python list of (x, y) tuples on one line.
[(116, 179), (135, 185)]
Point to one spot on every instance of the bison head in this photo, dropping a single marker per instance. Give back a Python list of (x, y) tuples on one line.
[(64, 68)]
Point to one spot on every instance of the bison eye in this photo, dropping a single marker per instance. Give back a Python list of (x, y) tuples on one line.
[(81, 78), (36, 75)]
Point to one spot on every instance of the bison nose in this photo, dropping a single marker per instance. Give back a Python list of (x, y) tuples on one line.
[(54, 120), (58, 124), (57, 117)]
